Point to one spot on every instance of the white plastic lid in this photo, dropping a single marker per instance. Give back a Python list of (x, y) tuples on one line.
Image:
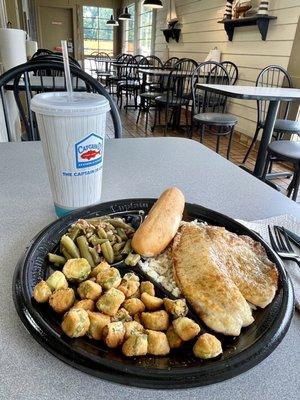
[(59, 104)]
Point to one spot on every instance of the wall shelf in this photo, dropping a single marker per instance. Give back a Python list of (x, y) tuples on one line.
[(262, 22)]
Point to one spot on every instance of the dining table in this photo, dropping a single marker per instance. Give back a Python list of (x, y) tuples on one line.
[(273, 95), (133, 168)]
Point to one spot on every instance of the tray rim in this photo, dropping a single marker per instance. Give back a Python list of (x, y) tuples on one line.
[(114, 370)]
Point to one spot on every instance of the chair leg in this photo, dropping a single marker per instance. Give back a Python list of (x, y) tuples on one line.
[(202, 131), (251, 145), (139, 114), (187, 122), (230, 141), (166, 122), (296, 184), (266, 168), (155, 119), (218, 144), (147, 118)]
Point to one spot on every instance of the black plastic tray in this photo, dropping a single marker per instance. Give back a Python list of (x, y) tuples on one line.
[(180, 369)]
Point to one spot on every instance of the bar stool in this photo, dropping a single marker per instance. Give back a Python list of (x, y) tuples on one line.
[(286, 150)]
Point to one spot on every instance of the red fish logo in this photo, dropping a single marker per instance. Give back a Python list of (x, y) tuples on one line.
[(89, 155)]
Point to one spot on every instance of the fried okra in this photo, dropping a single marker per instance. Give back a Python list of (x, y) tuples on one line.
[(129, 288), (41, 292), (177, 308), (113, 334), (132, 328), (97, 322), (156, 321), (62, 300), (207, 346), (186, 328), (174, 340), (89, 290), (99, 268), (57, 281), (109, 278), (135, 345), (130, 276), (76, 323), (122, 315), (134, 306), (152, 303), (85, 304), (110, 302), (158, 344), (76, 269), (147, 287)]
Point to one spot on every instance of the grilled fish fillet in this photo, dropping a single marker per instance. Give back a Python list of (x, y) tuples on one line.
[(247, 264), (200, 274)]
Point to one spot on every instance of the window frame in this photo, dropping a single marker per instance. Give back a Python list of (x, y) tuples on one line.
[(98, 27)]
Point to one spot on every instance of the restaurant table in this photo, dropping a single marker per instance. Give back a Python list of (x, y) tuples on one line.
[(132, 168), (271, 94), (48, 83)]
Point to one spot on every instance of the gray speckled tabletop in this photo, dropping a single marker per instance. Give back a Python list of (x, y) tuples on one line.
[(133, 168)]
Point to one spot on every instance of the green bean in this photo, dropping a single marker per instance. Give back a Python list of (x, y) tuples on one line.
[(95, 221), (84, 250), (122, 234), (56, 259), (132, 259), (108, 252), (118, 246), (119, 223), (95, 255), (66, 254), (70, 246), (127, 248), (95, 241), (73, 233), (101, 233), (118, 239)]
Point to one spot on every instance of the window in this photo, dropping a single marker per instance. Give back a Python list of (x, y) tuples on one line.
[(130, 31), (145, 31), (97, 36)]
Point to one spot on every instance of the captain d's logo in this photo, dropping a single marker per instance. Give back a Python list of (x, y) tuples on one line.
[(88, 151)]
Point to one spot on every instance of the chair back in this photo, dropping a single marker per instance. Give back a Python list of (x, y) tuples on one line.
[(272, 76), (232, 71), (179, 83), (101, 62), (24, 85), (41, 52), (54, 57), (204, 100), (171, 62)]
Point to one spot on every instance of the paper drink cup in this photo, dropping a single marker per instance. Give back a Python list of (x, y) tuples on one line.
[(72, 134)]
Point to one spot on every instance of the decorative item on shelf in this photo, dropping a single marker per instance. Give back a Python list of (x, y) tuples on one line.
[(263, 8), (172, 20), (241, 7), (228, 9), (153, 4), (214, 55), (112, 21), (125, 15)]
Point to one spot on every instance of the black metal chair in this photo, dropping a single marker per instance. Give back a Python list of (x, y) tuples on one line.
[(18, 79), (103, 65), (286, 150), (54, 57), (41, 52), (208, 107), (131, 83), (232, 71), (274, 76), (169, 64), (119, 72), (178, 94)]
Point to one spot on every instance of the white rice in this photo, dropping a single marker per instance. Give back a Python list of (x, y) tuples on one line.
[(160, 269)]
